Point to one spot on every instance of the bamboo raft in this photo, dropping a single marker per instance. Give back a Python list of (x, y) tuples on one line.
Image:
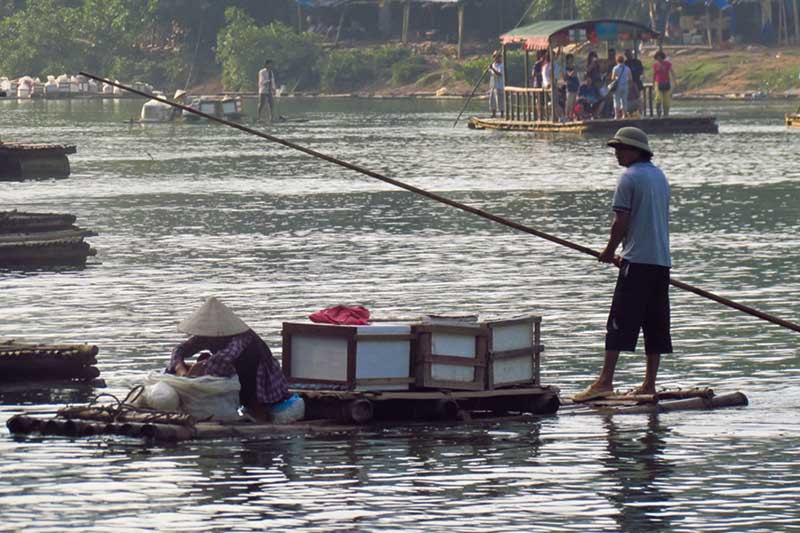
[(42, 239), (21, 160), (331, 411), (325, 411), (42, 362), (698, 124), (662, 402)]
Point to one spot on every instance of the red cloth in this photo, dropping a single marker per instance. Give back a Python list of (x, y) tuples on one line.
[(350, 315)]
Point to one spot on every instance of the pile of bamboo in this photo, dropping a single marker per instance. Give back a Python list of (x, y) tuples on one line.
[(74, 427), (662, 402), (33, 362), (42, 239)]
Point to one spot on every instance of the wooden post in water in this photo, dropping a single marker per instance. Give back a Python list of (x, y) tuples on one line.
[(553, 84), (525, 76), (506, 113)]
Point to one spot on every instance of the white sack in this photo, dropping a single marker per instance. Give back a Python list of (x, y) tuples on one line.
[(205, 397)]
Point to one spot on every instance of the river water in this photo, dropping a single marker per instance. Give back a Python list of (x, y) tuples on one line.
[(186, 211)]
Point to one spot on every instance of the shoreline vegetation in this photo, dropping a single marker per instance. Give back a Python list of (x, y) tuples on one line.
[(136, 43), (745, 72)]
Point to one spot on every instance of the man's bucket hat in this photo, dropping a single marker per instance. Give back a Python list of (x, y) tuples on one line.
[(630, 136), (213, 319)]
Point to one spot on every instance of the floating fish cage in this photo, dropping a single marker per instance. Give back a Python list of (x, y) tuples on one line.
[(414, 356), (21, 160), (42, 239), (44, 362), (224, 107)]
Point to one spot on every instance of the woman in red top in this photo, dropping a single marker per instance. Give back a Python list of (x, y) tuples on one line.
[(663, 79)]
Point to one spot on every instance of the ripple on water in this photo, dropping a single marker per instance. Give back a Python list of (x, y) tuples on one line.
[(185, 211)]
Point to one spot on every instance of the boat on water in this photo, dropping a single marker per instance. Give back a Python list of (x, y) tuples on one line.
[(793, 119), (155, 111), (531, 109), (225, 107), (428, 371)]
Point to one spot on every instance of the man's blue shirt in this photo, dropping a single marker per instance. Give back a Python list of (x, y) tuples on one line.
[(643, 191)]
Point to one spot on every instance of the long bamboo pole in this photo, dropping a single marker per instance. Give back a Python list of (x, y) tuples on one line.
[(447, 201), (471, 95)]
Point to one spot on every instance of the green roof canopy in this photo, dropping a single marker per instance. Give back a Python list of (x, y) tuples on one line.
[(540, 35)]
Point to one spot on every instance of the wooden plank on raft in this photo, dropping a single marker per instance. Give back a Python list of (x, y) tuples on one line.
[(377, 396)]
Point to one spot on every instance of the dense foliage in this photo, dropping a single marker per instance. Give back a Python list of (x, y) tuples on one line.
[(177, 43), (242, 47)]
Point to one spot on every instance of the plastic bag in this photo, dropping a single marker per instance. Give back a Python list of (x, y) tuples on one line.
[(162, 396), (205, 397)]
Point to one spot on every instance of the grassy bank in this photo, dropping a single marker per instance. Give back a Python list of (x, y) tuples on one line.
[(739, 71), (433, 68)]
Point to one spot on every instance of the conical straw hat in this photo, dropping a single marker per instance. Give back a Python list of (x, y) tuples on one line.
[(213, 319)]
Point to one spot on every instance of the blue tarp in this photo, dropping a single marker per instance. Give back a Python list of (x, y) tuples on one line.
[(719, 4), (334, 3), (320, 3)]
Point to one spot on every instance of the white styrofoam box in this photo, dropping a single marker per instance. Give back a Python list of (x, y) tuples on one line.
[(453, 345), (378, 358), (512, 370), (320, 352), (513, 352), (511, 336), (228, 106), (319, 357)]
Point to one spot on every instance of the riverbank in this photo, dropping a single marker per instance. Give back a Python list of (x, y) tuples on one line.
[(737, 73)]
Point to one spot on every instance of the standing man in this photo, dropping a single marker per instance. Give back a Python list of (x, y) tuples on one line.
[(497, 86), (266, 90), (635, 91), (641, 299)]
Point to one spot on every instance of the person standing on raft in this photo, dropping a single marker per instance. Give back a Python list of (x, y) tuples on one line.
[(497, 86), (266, 91), (235, 349), (641, 296)]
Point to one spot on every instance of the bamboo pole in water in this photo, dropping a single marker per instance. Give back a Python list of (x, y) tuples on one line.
[(441, 199), (471, 95)]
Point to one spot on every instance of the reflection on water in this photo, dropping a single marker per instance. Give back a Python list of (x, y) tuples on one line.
[(184, 211), (637, 463)]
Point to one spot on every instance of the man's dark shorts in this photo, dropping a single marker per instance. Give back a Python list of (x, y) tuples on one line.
[(641, 301)]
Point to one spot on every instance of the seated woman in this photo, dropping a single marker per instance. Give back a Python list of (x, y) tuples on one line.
[(235, 349), (588, 100)]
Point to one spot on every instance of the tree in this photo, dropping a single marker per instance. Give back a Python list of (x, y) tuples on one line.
[(242, 47)]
